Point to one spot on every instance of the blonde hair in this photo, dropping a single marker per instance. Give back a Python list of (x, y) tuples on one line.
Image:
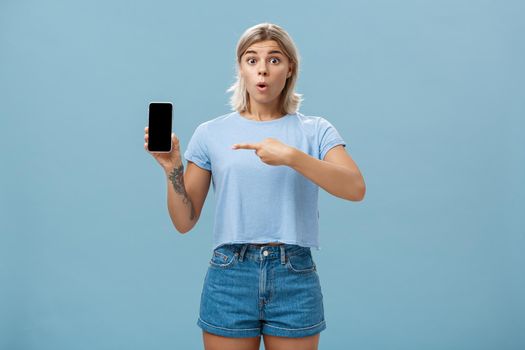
[(289, 100)]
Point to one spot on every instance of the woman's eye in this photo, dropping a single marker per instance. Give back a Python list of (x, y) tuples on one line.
[(273, 60)]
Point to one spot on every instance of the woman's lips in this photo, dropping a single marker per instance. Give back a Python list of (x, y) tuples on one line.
[(262, 87)]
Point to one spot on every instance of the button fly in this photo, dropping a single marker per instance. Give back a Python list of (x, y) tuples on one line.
[(265, 253)]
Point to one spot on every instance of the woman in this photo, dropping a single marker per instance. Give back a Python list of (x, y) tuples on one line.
[(261, 277)]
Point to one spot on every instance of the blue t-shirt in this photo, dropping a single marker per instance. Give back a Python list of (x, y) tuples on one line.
[(256, 202)]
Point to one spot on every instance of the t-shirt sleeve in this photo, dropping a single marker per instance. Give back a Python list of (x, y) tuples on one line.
[(197, 151), (328, 138)]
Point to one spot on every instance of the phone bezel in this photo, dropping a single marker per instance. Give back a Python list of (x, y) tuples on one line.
[(172, 106)]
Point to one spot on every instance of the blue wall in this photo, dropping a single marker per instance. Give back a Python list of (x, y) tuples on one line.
[(428, 95)]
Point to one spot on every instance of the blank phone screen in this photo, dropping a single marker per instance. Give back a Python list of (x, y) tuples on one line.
[(159, 128)]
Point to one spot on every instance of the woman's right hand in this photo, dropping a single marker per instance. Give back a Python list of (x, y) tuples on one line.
[(167, 160)]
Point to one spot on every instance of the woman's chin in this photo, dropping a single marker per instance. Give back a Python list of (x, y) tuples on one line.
[(263, 100)]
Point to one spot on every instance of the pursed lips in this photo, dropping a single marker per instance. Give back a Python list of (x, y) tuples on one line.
[(262, 86)]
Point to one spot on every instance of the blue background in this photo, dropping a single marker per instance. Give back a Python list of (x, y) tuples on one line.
[(428, 95)]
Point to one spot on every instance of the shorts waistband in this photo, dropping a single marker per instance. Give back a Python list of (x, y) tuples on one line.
[(266, 244), (265, 251)]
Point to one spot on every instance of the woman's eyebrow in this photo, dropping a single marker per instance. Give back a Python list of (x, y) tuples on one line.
[(269, 52)]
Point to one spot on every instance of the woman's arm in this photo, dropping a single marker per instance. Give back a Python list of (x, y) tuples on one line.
[(186, 195), (337, 173)]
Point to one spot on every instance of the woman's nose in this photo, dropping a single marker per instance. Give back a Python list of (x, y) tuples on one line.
[(262, 70)]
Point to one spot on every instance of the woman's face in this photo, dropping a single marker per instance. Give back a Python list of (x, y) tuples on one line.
[(265, 62)]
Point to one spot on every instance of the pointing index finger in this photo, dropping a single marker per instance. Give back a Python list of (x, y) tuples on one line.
[(245, 146)]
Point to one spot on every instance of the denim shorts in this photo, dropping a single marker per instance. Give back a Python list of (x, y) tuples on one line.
[(252, 289)]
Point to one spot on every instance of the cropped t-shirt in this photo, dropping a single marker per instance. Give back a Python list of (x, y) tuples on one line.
[(256, 202)]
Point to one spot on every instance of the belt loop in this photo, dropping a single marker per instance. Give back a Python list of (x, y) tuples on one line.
[(282, 254), (243, 250)]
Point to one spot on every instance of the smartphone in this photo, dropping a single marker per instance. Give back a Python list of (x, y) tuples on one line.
[(160, 115)]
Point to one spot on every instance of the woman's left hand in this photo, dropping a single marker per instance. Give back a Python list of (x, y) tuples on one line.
[(271, 151)]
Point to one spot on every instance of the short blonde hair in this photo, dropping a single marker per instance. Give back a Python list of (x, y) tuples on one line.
[(289, 99)]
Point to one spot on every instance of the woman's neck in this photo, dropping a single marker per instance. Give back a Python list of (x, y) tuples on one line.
[(262, 112), (262, 116)]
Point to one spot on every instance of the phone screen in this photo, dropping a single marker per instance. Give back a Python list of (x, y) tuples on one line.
[(159, 128)]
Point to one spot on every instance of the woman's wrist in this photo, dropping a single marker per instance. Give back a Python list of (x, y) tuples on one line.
[(177, 167)]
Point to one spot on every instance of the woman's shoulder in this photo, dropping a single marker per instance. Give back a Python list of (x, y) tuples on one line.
[(218, 120), (315, 121)]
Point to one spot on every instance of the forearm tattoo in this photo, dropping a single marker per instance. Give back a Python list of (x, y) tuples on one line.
[(177, 179)]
